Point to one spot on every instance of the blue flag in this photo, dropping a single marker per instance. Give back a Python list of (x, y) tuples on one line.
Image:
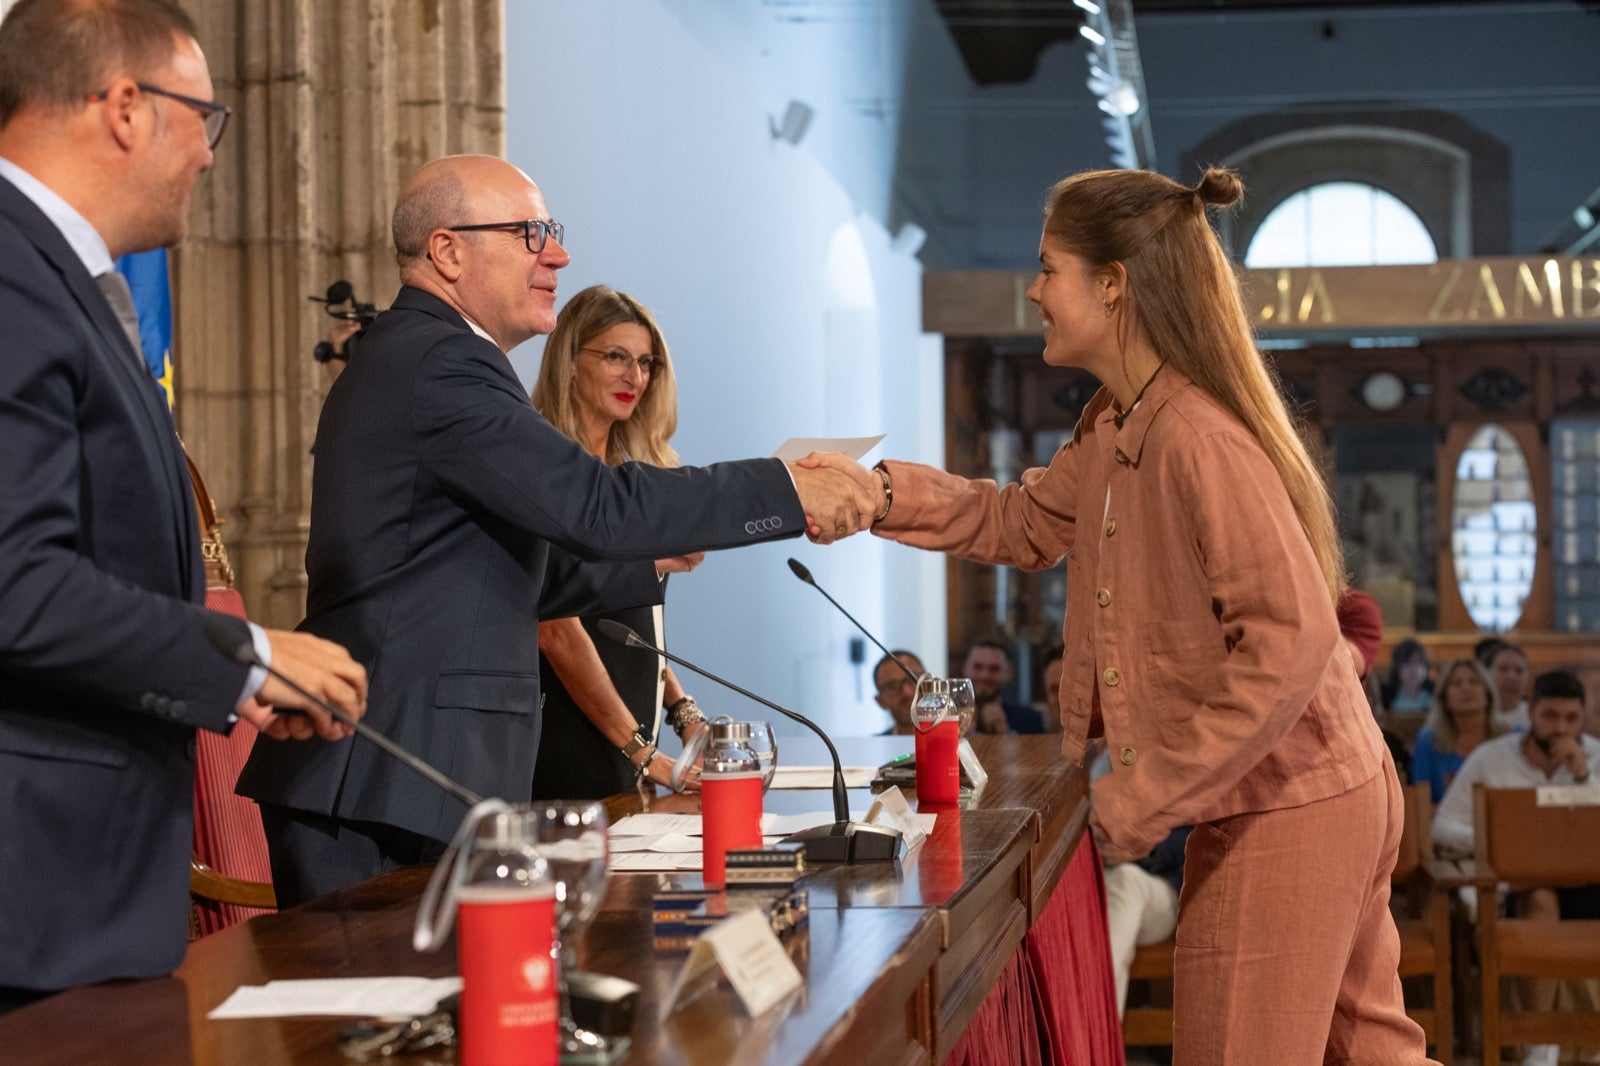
[(152, 298)]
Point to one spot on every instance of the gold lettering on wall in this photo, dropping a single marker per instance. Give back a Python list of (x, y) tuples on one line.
[(1552, 278), (1315, 297), (1527, 290), (1279, 311), (1316, 290), (1486, 290), (1579, 285), (1437, 312)]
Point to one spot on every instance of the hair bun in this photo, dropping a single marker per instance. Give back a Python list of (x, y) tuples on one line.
[(1219, 186)]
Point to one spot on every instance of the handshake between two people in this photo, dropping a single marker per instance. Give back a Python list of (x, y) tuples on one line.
[(838, 494)]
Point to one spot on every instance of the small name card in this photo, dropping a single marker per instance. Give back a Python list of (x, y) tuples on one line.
[(747, 951), (969, 762), (891, 809), (1567, 796)]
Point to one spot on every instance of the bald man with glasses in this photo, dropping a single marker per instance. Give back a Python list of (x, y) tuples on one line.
[(436, 495)]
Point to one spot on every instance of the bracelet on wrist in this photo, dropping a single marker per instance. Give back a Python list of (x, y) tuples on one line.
[(888, 492), (683, 713), (643, 768), (635, 744)]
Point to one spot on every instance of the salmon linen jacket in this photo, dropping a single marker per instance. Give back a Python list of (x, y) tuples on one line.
[(1199, 632)]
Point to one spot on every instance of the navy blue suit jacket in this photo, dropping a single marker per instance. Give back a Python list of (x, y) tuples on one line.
[(105, 669), (437, 492)]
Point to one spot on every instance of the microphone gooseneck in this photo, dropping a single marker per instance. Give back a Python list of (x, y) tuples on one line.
[(805, 575), (224, 636), (844, 841)]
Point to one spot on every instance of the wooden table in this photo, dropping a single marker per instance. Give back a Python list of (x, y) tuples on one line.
[(897, 958)]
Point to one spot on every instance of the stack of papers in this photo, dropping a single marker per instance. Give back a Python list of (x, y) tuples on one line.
[(821, 776), (642, 843), (338, 997)]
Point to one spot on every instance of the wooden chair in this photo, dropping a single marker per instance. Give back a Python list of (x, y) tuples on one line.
[(1424, 943), (230, 876), (1424, 925), (1526, 844), (1151, 1025)]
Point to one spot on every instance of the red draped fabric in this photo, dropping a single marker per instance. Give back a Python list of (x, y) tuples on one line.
[(1055, 1003), (1005, 1031), (1069, 952), (227, 828)]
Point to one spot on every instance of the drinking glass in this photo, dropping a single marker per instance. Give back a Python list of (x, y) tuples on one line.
[(966, 701), (572, 840), (765, 746)]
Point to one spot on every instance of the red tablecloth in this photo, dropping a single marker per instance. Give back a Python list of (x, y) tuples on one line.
[(1055, 1002)]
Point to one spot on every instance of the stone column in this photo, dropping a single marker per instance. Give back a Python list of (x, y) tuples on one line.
[(335, 103)]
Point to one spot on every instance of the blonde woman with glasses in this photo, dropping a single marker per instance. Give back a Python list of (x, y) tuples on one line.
[(606, 381)]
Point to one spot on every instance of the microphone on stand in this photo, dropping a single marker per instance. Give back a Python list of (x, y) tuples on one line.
[(805, 575), (844, 840), (225, 638)]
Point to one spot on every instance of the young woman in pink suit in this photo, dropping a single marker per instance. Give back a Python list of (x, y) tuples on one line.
[(1201, 639)]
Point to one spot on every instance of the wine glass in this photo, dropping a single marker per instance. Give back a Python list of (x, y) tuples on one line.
[(765, 746), (571, 838), (966, 701)]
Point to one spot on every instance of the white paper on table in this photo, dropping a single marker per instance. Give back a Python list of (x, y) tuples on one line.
[(652, 824), (357, 997), (661, 843), (851, 447), (821, 776), (784, 824), (654, 861)]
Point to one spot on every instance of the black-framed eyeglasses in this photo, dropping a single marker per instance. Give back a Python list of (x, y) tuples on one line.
[(212, 114), (619, 361), (534, 231)]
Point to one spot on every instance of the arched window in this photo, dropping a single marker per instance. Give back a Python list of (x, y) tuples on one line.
[(1340, 223)]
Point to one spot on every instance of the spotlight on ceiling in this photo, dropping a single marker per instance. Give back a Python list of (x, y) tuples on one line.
[(910, 239), (794, 124)]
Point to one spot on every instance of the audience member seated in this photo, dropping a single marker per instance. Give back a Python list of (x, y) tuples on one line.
[(1408, 687), (1050, 684), (1552, 751), (1361, 626), (1508, 666), (1462, 717), (989, 666), (896, 691)]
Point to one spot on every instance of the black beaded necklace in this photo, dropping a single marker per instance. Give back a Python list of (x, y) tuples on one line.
[(1123, 417)]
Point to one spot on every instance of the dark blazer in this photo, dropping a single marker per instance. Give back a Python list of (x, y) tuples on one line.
[(437, 492), (105, 669)]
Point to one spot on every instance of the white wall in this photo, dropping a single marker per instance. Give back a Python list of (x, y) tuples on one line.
[(786, 309)]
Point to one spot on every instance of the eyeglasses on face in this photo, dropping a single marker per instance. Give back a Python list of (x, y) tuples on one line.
[(619, 361), (895, 684), (212, 114), (534, 231)]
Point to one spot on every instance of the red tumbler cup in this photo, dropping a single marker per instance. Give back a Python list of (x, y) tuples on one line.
[(730, 811), (505, 939), (938, 765)]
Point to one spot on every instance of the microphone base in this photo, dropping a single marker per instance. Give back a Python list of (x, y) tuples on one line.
[(848, 842)]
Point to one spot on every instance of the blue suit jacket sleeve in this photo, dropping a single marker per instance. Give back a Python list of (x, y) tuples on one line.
[(489, 453), (573, 587)]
